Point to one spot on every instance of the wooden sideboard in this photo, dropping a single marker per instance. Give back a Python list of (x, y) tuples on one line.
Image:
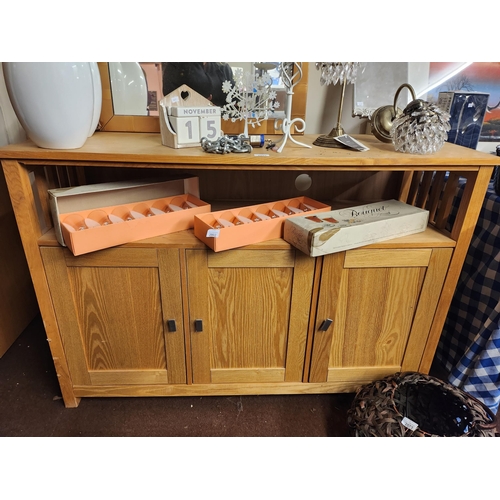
[(18, 304), (167, 316)]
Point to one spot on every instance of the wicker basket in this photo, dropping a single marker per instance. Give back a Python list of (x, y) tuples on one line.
[(412, 404)]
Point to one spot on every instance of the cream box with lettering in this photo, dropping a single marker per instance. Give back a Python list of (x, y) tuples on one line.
[(353, 227)]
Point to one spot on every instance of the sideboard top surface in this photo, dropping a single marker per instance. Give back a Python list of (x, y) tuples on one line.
[(146, 148)]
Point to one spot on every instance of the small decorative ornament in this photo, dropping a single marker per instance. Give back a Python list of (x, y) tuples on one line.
[(291, 75), (227, 144), (186, 117), (421, 129), (251, 99)]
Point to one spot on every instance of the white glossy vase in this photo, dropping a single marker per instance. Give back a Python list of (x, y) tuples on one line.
[(129, 88), (57, 103)]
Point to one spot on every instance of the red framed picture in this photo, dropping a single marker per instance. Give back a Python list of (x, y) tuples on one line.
[(474, 77)]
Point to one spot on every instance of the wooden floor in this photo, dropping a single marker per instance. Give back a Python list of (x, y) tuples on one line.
[(31, 406)]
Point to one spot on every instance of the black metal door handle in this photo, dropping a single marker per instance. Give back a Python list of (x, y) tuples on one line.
[(325, 325)]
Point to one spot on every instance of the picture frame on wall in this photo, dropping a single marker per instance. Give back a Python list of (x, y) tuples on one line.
[(480, 77)]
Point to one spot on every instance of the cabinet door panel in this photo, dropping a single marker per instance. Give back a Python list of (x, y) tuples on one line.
[(252, 258), (246, 375), (427, 306), (172, 308), (120, 328), (246, 315), (65, 312), (413, 257), (114, 257), (259, 299), (375, 311), (112, 316), (127, 377), (372, 297)]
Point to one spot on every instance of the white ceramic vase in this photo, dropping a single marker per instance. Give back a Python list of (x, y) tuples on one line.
[(129, 88), (57, 103)]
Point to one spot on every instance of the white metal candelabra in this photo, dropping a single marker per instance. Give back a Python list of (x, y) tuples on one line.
[(291, 74)]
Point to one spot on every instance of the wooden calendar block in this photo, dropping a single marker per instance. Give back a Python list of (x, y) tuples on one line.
[(210, 127), (187, 129), (186, 117)]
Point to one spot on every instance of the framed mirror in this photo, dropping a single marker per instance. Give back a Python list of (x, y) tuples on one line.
[(118, 116)]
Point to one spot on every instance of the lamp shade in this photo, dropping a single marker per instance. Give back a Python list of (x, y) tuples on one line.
[(421, 129), (334, 72)]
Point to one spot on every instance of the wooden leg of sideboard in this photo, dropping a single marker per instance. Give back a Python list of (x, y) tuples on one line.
[(475, 191), (23, 203)]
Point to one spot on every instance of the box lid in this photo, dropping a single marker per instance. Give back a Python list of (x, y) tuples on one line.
[(352, 227)]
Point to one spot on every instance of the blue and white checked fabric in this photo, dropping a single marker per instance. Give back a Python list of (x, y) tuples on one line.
[(469, 347)]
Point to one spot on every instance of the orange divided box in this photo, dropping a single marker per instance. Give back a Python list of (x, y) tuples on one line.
[(238, 227), (94, 196), (94, 229)]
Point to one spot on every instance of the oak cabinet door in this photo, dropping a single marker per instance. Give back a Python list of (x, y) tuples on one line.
[(375, 309), (248, 315), (114, 309)]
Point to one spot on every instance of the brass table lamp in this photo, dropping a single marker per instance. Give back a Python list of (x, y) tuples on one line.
[(331, 73), (384, 116), (421, 128)]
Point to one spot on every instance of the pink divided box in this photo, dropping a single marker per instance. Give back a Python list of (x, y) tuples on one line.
[(89, 230), (238, 227)]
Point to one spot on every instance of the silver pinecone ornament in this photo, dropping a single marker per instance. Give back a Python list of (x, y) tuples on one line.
[(421, 129)]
